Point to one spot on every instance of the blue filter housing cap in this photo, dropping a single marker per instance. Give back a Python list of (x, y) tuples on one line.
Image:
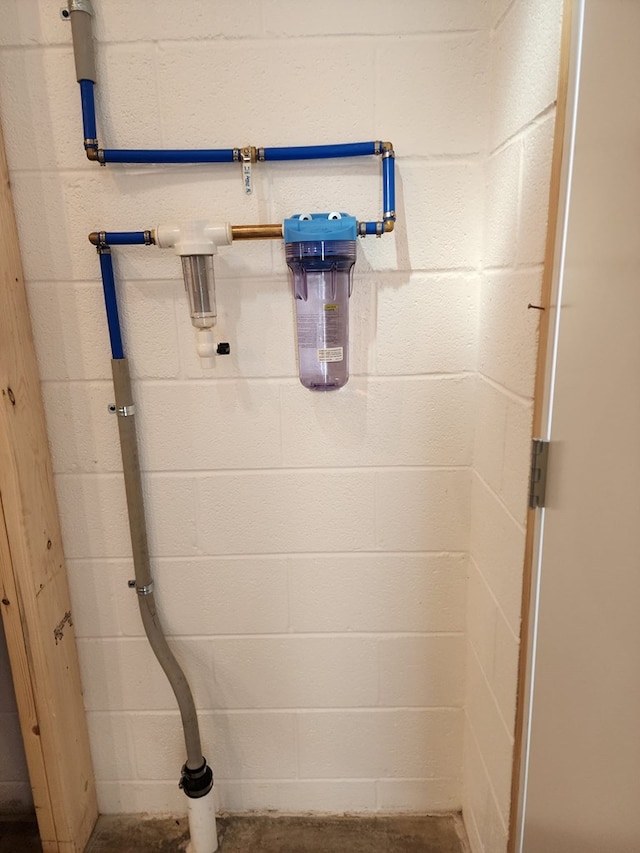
[(311, 227)]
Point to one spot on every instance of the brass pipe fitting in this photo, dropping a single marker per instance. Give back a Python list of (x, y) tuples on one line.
[(256, 232), (246, 154)]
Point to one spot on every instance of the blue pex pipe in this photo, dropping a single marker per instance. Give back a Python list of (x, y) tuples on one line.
[(319, 152), (225, 155), (125, 238), (111, 304), (88, 109), (388, 187), (158, 155)]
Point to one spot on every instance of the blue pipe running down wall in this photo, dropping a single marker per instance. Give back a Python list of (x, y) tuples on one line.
[(88, 110), (388, 187), (111, 303)]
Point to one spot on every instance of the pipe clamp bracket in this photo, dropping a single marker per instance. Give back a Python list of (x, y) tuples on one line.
[(145, 590), (81, 6), (122, 411)]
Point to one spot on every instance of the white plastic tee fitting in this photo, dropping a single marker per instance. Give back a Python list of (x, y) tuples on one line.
[(194, 238)]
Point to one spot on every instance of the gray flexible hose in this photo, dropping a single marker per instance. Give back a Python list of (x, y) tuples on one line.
[(144, 580), (83, 52)]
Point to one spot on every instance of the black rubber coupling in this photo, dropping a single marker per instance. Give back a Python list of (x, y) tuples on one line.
[(196, 783)]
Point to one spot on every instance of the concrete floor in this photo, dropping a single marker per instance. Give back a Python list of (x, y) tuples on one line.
[(261, 834), (343, 835)]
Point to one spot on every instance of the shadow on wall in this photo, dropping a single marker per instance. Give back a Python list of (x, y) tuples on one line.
[(15, 790), (555, 838)]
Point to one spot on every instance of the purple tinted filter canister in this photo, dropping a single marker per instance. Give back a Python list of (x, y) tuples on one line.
[(321, 252)]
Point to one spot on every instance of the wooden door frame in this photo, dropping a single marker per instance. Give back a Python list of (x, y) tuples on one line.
[(34, 595), (558, 166)]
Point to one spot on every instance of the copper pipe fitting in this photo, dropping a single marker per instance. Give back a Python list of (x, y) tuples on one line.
[(256, 232)]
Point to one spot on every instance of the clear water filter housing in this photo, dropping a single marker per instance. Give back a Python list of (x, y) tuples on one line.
[(321, 251), (200, 286), (199, 283)]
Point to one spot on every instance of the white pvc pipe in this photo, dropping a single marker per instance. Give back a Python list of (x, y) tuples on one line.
[(202, 824)]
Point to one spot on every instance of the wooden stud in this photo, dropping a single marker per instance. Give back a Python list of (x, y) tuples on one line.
[(538, 398), (35, 599)]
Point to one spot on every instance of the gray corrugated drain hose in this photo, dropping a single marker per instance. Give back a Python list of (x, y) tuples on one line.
[(144, 581)]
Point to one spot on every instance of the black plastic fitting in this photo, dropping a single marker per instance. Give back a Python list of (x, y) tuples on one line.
[(196, 783), (224, 348)]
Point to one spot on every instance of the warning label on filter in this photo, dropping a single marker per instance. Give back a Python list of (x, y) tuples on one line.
[(330, 354)]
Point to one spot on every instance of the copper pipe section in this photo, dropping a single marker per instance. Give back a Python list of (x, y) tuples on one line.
[(256, 232)]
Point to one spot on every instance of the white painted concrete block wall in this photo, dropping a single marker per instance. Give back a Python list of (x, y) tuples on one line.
[(329, 666), (523, 73), (310, 550)]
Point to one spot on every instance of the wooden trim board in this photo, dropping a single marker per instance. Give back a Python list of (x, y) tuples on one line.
[(555, 188), (34, 598)]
